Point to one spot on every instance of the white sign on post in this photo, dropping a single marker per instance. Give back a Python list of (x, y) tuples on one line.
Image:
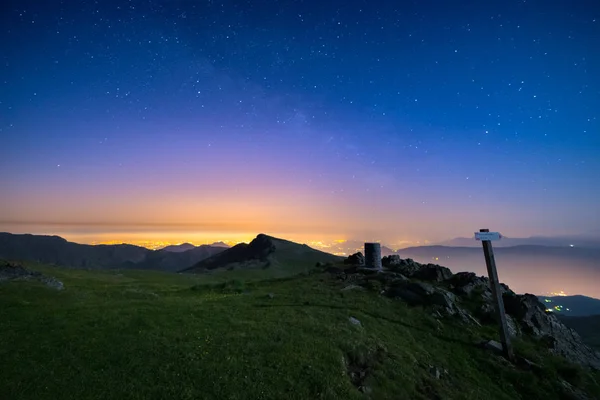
[(488, 235)]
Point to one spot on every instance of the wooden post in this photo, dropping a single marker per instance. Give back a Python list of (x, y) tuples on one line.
[(490, 262)]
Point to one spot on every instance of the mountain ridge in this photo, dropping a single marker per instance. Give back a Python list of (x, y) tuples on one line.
[(56, 250)]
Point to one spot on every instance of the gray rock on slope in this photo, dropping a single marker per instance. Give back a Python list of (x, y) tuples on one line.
[(15, 272)]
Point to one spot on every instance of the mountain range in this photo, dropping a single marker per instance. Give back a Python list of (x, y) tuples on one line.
[(590, 240), (526, 268), (58, 251)]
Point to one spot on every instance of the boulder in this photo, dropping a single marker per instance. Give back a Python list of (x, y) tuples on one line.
[(388, 261), (444, 299), (406, 267), (493, 346), (432, 272), (355, 259), (467, 283)]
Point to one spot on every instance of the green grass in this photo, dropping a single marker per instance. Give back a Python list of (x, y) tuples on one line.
[(151, 335)]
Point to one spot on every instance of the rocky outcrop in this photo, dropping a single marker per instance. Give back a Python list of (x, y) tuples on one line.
[(355, 259), (432, 272), (531, 316), (468, 284), (434, 286), (10, 271), (412, 269), (388, 261)]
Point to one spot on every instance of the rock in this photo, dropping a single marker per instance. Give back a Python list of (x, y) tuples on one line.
[(270, 295), (467, 318), (352, 287), (493, 346), (388, 261), (466, 283), (421, 288), (401, 279), (436, 372), (506, 290), (571, 392), (402, 292), (443, 298), (527, 364), (10, 271), (366, 389), (354, 321), (513, 329), (432, 272), (486, 313), (406, 267), (355, 259)]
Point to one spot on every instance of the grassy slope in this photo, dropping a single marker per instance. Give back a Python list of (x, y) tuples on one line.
[(143, 335)]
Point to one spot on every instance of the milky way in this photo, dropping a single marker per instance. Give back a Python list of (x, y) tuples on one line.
[(399, 121)]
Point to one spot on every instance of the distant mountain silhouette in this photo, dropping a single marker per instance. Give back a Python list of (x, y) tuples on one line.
[(220, 244), (165, 260), (265, 252), (178, 248), (58, 251), (573, 306), (591, 240)]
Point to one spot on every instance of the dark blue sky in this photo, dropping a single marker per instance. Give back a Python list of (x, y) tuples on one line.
[(400, 121)]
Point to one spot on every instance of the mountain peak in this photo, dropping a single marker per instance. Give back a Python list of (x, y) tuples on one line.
[(219, 244), (177, 248), (265, 251)]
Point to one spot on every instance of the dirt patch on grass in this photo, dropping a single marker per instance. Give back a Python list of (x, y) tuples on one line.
[(360, 363)]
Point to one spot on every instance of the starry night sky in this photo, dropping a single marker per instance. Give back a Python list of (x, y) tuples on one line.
[(400, 121)]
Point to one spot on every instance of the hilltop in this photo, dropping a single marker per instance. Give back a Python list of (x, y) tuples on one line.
[(265, 252)]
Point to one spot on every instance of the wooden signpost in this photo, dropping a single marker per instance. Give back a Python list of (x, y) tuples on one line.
[(486, 238)]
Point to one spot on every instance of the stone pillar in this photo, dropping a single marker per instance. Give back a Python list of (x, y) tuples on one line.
[(373, 255)]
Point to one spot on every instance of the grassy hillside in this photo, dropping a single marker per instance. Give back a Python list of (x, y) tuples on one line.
[(152, 335)]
